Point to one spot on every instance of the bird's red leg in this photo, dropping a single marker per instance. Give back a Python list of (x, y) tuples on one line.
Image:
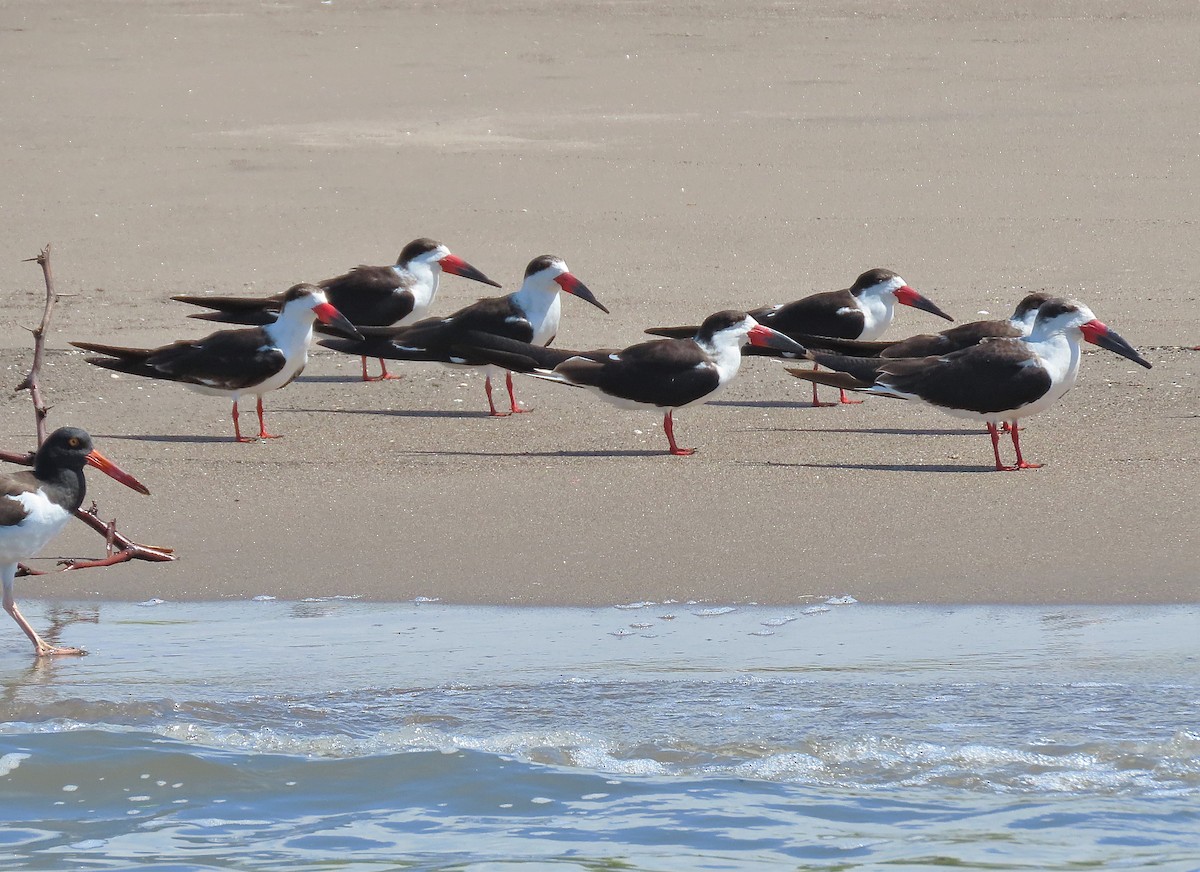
[(1016, 440), (237, 431), (994, 432), (384, 375), (512, 398), (847, 400), (817, 403), (669, 427), (262, 425), (487, 386)]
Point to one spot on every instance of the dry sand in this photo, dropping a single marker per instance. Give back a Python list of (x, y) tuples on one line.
[(682, 157)]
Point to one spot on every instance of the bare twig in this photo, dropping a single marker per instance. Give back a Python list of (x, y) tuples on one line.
[(31, 382)]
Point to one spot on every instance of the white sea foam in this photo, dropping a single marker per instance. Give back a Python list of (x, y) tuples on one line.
[(778, 622), (10, 762)]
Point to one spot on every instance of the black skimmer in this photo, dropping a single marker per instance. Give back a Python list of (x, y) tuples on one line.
[(862, 311), (369, 296), (37, 504), (528, 315), (1000, 380), (229, 363), (663, 374), (942, 342)]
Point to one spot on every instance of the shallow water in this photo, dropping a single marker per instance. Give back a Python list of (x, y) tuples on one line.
[(337, 734)]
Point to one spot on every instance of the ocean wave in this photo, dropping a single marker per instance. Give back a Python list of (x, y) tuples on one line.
[(1166, 766)]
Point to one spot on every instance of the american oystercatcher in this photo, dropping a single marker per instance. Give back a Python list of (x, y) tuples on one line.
[(37, 504), (369, 296), (862, 311), (661, 374), (529, 315), (1000, 380), (229, 363)]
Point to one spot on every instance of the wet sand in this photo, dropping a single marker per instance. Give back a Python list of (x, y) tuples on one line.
[(682, 159)]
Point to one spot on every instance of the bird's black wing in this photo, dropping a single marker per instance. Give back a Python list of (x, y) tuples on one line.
[(227, 359), (831, 313), (994, 376), (667, 372)]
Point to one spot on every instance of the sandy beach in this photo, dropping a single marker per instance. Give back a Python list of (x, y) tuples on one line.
[(682, 158)]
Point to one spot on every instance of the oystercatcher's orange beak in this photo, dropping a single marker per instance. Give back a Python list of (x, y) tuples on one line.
[(106, 466)]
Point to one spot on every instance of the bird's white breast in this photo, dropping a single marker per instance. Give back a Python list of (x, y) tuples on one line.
[(42, 523), (878, 312)]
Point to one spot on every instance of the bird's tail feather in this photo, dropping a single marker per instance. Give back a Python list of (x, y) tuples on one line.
[(865, 369), (247, 318), (129, 367), (230, 304), (684, 332), (843, 380), (382, 348), (850, 347), (116, 351), (511, 354)]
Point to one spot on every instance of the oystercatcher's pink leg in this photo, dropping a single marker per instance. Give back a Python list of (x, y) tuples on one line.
[(41, 647)]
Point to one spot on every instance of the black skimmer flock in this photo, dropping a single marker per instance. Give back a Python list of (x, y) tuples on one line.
[(663, 374), (1000, 380), (38, 503), (229, 363), (530, 314), (369, 296), (862, 311)]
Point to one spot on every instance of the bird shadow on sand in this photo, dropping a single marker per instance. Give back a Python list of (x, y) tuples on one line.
[(402, 413), (165, 437), (875, 431), (877, 467), (762, 404), (563, 454), (341, 379)]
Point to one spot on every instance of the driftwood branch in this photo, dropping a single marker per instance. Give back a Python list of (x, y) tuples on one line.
[(31, 381), (119, 548)]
